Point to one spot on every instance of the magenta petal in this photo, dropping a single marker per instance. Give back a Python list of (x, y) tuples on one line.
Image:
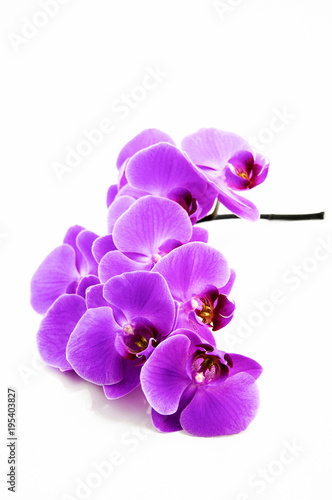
[(90, 349), (194, 337), (131, 380), (221, 322), (190, 322), (166, 423), (164, 376), (222, 409), (189, 269), (260, 178), (142, 294), (56, 327), (84, 242), (115, 263), (242, 160), (85, 283), (111, 194), (244, 364), (143, 140), (70, 239), (200, 234), (212, 148), (95, 297), (207, 201), (226, 289), (171, 423), (235, 181), (162, 168), (238, 205), (52, 277), (117, 208), (148, 223), (128, 190), (122, 179), (168, 246), (101, 246)]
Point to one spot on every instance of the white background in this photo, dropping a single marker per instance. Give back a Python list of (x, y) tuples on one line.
[(235, 68)]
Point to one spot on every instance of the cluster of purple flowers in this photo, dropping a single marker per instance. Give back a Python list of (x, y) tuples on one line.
[(140, 304)]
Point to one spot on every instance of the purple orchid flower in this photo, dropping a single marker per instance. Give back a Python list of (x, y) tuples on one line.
[(225, 160), (59, 288), (163, 170), (199, 279), (69, 268), (111, 343), (149, 229), (194, 386)]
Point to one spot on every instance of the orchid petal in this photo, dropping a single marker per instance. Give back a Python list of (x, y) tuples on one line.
[(95, 297), (84, 243), (142, 294), (143, 140), (111, 194), (129, 382), (164, 377), (70, 239), (118, 207), (244, 364), (85, 283), (148, 223), (90, 349), (101, 246), (115, 263), (161, 168), (226, 289), (212, 148), (56, 327), (222, 409), (238, 205), (171, 423), (189, 269), (53, 276), (200, 234)]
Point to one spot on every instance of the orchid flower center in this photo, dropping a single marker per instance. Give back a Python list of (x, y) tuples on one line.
[(204, 305), (185, 199), (212, 308), (137, 339), (207, 368), (206, 313), (242, 174)]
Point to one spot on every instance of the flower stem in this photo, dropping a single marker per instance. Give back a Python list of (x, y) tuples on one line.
[(214, 216)]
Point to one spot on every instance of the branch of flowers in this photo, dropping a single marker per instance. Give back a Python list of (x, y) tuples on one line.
[(214, 216)]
